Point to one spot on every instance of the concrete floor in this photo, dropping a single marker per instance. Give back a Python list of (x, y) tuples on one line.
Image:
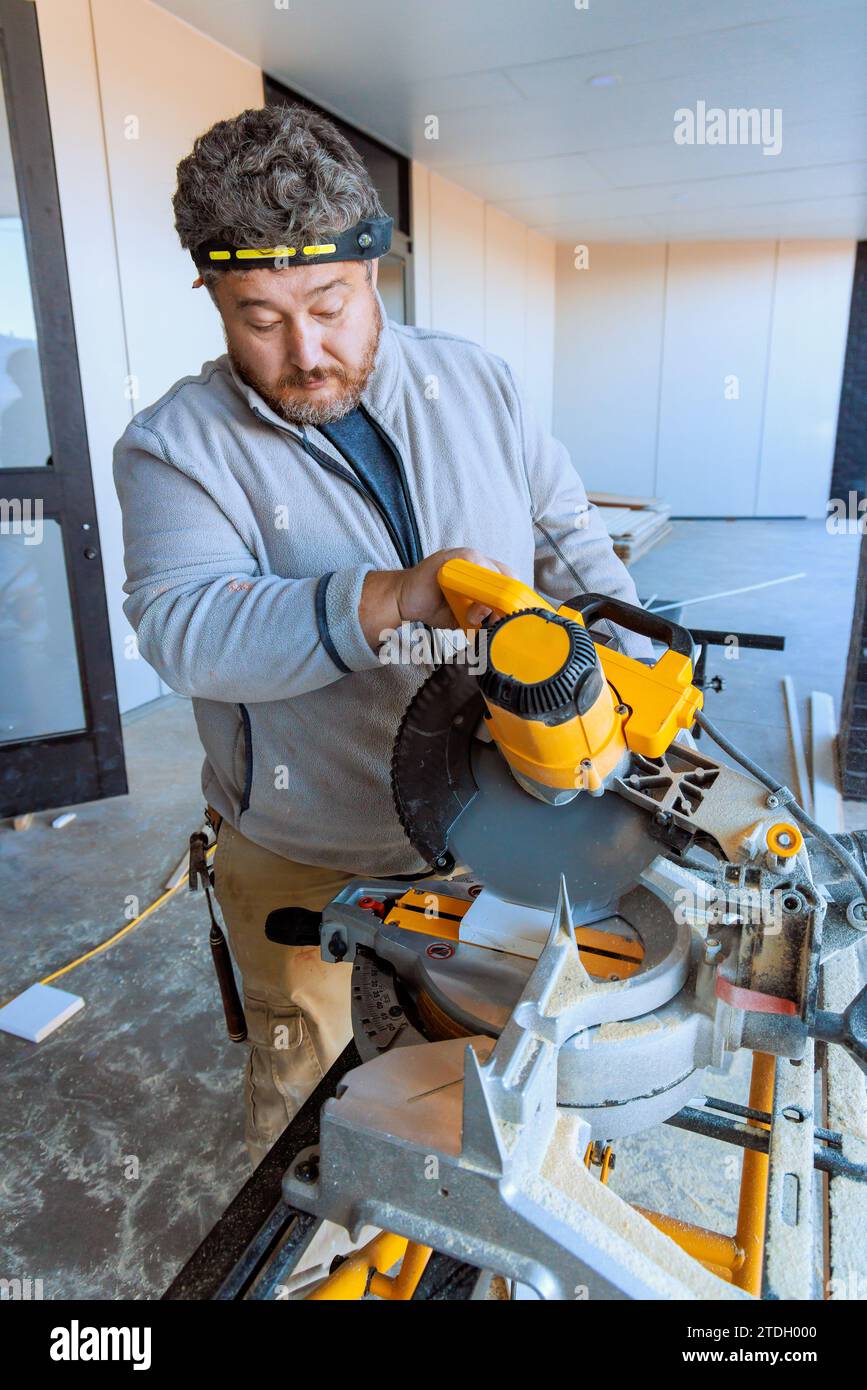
[(813, 613), (121, 1134)]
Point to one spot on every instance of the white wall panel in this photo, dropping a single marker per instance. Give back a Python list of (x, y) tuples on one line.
[(457, 260), (541, 319), (506, 288), (162, 84), (482, 275), (704, 373), (716, 339), (421, 242), (805, 369), (607, 364)]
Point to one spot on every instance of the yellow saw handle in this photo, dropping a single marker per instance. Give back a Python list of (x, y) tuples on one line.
[(658, 699), (464, 584)]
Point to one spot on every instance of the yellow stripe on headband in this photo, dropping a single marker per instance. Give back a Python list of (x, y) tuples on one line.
[(266, 253)]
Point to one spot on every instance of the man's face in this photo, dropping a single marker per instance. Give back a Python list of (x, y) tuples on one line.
[(305, 337)]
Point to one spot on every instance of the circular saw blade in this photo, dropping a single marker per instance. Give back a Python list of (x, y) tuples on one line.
[(431, 777), (455, 794)]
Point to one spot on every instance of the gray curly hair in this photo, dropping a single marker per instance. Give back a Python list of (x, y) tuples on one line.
[(269, 177)]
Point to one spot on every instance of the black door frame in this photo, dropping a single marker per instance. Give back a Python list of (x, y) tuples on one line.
[(59, 769)]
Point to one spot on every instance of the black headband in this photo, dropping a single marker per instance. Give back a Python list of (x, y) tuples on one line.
[(366, 241)]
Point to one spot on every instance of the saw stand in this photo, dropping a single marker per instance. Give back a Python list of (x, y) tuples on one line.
[(459, 1153)]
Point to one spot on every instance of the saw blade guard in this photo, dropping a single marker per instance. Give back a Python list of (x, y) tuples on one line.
[(565, 710)]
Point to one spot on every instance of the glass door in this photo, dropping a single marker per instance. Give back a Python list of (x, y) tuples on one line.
[(60, 737)]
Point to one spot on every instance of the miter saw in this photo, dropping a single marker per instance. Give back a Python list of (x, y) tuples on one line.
[(609, 913)]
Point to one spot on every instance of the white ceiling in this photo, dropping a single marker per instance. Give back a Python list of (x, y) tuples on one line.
[(521, 124)]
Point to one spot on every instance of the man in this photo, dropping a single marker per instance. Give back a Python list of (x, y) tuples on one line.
[(289, 508)]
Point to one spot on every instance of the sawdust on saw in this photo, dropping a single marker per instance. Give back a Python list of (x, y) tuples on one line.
[(574, 984), (628, 1029), (572, 1194)]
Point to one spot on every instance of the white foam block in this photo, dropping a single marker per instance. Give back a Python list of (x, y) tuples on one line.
[(503, 926), (38, 1011)]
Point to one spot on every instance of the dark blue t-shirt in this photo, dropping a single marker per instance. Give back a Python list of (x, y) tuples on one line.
[(376, 464)]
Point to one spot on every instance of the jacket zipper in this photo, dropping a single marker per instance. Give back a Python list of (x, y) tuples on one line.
[(384, 435), (333, 466)]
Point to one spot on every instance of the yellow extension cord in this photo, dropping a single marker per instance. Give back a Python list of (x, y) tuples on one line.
[(118, 935)]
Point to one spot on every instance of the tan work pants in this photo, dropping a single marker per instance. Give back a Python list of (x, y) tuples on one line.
[(297, 1006)]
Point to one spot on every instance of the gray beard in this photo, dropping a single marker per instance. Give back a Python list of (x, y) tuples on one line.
[(314, 412), (311, 413)]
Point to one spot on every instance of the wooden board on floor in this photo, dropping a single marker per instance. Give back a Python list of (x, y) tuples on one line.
[(802, 788), (629, 553), (827, 801), (633, 523)]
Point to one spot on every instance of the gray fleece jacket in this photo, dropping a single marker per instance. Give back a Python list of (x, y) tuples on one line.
[(246, 551)]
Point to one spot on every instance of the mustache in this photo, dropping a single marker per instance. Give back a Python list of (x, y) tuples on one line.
[(292, 380)]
